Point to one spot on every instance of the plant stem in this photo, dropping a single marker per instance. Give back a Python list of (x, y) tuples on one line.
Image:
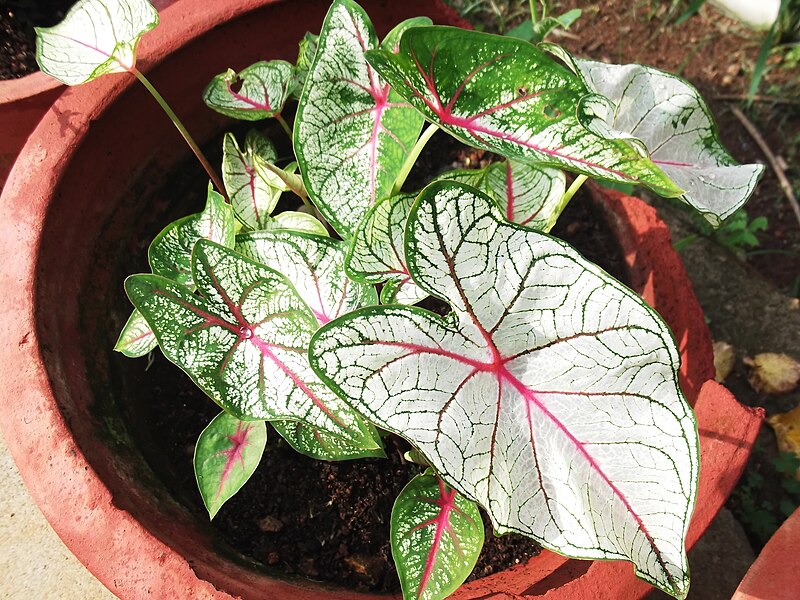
[(562, 203), (285, 126), (413, 156), (183, 131)]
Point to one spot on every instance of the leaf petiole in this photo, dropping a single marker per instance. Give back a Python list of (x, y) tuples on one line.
[(562, 204), (182, 129), (285, 126), (412, 157)]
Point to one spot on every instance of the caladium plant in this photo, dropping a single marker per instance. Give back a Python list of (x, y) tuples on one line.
[(547, 396)]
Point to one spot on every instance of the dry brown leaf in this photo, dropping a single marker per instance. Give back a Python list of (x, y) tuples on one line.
[(772, 373), (724, 360), (787, 430)]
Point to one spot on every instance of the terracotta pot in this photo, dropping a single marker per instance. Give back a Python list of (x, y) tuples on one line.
[(73, 217), (773, 576)]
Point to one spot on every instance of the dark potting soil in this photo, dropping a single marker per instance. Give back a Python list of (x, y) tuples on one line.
[(327, 521), (17, 37)]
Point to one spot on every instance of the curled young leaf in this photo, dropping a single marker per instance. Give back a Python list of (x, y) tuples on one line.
[(305, 56), (252, 197), (506, 96), (226, 455), (437, 535), (352, 132), (673, 122), (549, 395), (244, 341), (136, 338), (377, 253), (96, 37), (291, 220), (257, 92)]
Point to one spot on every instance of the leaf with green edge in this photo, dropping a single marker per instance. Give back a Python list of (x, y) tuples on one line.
[(244, 341), (507, 96), (549, 395), (315, 267), (170, 253), (226, 455), (252, 197), (668, 116), (94, 38), (258, 92), (320, 445), (527, 194), (376, 253), (392, 40), (436, 536), (305, 56), (136, 339), (293, 220), (352, 132)]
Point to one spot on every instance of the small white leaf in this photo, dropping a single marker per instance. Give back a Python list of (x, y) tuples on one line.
[(136, 339), (257, 92), (96, 37)]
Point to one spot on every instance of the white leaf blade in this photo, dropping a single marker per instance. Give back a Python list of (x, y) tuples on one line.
[(94, 38), (136, 338), (262, 90), (253, 199), (292, 220)]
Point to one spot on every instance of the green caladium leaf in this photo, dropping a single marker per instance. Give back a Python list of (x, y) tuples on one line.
[(292, 220), (527, 194), (252, 197), (243, 341), (321, 445), (136, 339), (96, 37), (227, 453), (505, 95), (315, 267), (305, 56), (437, 535), (170, 253), (670, 118), (514, 398), (377, 252), (352, 132), (257, 92), (392, 40)]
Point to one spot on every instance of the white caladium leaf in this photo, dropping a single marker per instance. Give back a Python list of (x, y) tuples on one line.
[(136, 339), (226, 455), (549, 395), (321, 445), (243, 342), (436, 535), (170, 253), (293, 220), (527, 194), (505, 95), (252, 197), (352, 132), (315, 267), (257, 92), (670, 118), (96, 37), (377, 251)]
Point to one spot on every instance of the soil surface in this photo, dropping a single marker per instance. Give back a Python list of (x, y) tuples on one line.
[(17, 37)]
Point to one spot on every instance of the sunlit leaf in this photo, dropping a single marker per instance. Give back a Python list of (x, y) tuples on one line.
[(437, 535), (296, 221), (549, 395), (252, 197), (136, 339), (227, 453), (94, 38), (505, 95), (243, 342), (257, 92), (352, 133)]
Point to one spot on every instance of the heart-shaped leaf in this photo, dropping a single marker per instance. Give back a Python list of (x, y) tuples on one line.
[(291, 220), (170, 253), (505, 95), (243, 342), (377, 251), (257, 92), (227, 453), (549, 395), (668, 115), (352, 133), (96, 37), (527, 194), (321, 445), (252, 197), (136, 339), (315, 267), (437, 535)]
